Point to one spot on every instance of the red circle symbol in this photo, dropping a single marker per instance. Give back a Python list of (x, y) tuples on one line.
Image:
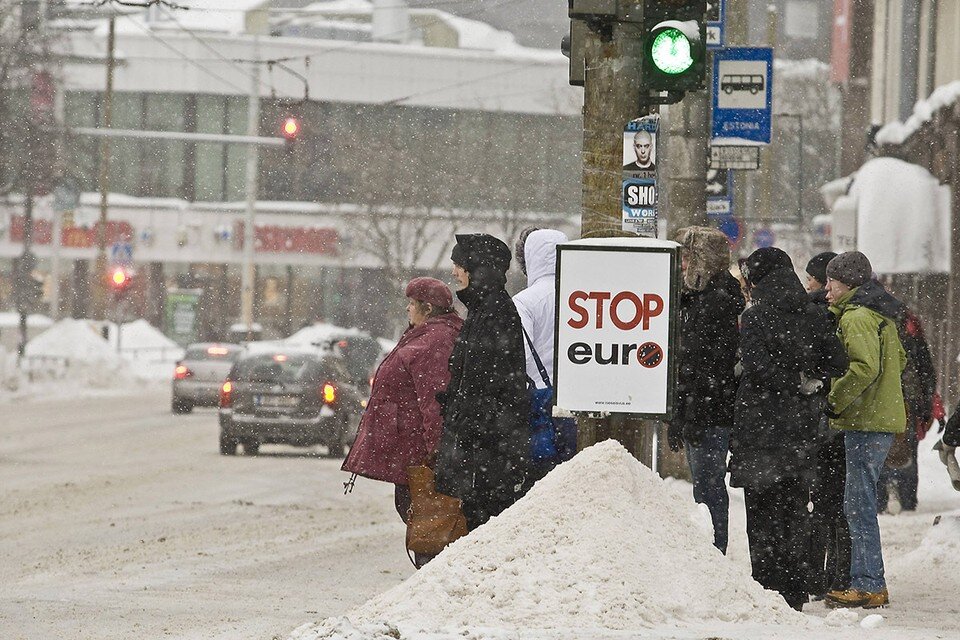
[(649, 355)]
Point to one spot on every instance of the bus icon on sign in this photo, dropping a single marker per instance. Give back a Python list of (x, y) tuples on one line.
[(754, 83)]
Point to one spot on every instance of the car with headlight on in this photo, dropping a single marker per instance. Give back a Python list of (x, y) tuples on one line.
[(293, 396), (198, 376)]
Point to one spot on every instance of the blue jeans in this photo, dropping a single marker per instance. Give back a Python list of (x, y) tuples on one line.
[(708, 466), (866, 453)]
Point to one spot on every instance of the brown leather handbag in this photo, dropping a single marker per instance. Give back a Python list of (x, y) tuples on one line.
[(434, 520)]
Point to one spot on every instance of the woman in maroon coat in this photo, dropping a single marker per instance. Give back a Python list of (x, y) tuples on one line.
[(402, 424)]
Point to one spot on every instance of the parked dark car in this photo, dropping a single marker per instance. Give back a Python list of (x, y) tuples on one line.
[(198, 376), (297, 397)]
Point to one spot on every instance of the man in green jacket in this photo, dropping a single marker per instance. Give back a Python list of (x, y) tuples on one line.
[(866, 403)]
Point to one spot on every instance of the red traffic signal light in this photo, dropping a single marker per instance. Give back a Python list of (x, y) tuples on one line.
[(290, 128), (120, 279)]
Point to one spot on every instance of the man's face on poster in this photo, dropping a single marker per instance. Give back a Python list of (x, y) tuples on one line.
[(642, 146)]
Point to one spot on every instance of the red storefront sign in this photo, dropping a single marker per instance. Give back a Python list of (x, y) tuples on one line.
[(72, 237), (276, 239)]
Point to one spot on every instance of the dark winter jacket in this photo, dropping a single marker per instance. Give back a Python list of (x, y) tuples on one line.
[(919, 377), (785, 339), (401, 425), (709, 339), (484, 449), (951, 433)]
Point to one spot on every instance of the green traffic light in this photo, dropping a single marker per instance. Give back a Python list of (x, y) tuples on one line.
[(670, 51)]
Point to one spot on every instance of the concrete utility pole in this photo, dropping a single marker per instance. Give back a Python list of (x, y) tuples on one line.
[(611, 99), (686, 140), (100, 267), (253, 157)]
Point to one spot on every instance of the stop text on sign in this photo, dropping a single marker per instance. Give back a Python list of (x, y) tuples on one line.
[(626, 309)]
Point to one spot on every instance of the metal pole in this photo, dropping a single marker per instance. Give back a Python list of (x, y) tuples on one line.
[(253, 127), (800, 168), (55, 265), (100, 268)]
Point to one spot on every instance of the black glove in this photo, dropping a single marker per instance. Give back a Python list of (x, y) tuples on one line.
[(830, 413), (675, 436)]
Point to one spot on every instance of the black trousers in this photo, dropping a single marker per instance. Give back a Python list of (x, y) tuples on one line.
[(778, 535), (829, 536)]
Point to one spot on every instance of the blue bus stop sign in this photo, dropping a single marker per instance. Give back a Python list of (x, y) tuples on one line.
[(742, 95)]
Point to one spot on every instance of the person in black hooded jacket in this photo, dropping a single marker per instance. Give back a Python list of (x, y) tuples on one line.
[(786, 344), (829, 536), (483, 455)]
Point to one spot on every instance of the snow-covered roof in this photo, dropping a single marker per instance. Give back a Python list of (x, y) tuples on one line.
[(898, 132)]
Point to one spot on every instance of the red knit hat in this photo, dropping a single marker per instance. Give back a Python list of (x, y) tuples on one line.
[(430, 290)]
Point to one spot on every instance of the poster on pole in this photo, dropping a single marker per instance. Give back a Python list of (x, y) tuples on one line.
[(639, 194), (180, 315), (616, 326)]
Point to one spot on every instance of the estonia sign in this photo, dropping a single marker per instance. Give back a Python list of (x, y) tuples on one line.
[(617, 307)]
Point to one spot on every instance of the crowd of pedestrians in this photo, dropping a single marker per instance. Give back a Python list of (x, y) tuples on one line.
[(834, 385), (812, 397)]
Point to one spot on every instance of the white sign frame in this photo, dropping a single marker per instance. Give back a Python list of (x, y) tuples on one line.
[(634, 272)]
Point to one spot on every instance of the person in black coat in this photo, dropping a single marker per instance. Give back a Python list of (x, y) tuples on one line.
[(484, 450), (787, 346), (829, 558), (710, 305)]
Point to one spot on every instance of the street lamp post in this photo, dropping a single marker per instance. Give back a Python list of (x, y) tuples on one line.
[(799, 118)]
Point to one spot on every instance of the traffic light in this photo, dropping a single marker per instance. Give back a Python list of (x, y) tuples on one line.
[(674, 45), (119, 278), (290, 128)]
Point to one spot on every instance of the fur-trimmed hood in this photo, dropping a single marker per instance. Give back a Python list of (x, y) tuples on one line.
[(708, 253)]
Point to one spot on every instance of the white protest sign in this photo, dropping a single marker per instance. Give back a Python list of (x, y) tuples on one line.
[(616, 329)]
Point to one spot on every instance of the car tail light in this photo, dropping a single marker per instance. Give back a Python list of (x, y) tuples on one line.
[(328, 393), (226, 393), (181, 372)]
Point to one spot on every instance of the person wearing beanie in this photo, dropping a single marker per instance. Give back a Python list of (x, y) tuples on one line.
[(787, 346), (866, 403), (536, 255), (817, 275), (484, 451), (401, 425), (710, 304), (829, 538)]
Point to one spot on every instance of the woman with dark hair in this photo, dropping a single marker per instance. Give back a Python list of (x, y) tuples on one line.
[(484, 452), (401, 425), (787, 347)]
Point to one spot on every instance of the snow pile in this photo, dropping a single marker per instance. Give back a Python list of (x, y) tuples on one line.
[(893, 195), (150, 354), (599, 545), (73, 350), (140, 335)]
